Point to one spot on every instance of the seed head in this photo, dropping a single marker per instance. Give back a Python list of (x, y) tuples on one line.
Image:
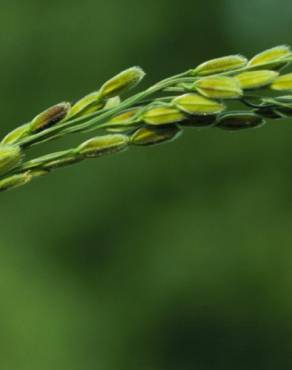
[(50, 117), (122, 82), (283, 83), (256, 79), (225, 64), (10, 156), (163, 116), (15, 181), (219, 87), (155, 135), (239, 120), (197, 105), (103, 144)]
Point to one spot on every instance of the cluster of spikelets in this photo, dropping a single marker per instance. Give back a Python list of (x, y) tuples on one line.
[(200, 97)]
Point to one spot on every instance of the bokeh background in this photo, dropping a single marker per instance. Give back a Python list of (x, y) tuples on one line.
[(169, 258)]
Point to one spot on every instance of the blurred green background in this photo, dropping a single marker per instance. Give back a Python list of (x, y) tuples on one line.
[(171, 258)]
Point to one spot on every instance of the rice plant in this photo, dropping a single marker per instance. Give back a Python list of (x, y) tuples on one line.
[(200, 97)]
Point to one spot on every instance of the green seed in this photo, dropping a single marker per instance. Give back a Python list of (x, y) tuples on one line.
[(10, 156), (239, 121), (123, 118), (103, 144), (163, 116), (155, 135), (219, 65), (283, 83), (122, 82), (256, 79), (17, 134), (197, 105), (88, 104), (219, 87), (50, 117), (272, 57), (123, 121), (15, 181)]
